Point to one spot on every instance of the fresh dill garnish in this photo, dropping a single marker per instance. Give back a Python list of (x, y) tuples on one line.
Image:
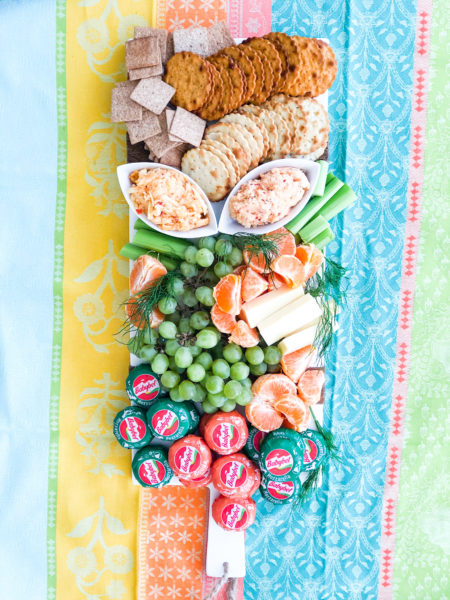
[(264, 245)]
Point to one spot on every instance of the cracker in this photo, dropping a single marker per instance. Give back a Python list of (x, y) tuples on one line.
[(187, 127), (329, 70), (299, 119), (315, 133), (271, 55), (259, 94), (283, 146), (192, 79), (153, 94), (267, 121), (146, 72), (209, 171), (146, 128), (169, 47), (194, 39), (259, 124), (211, 146), (237, 78), (169, 118), (231, 135), (123, 108), (220, 147), (294, 60), (311, 59), (257, 140), (159, 34), (283, 60), (247, 68), (142, 52), (160, 144), (219, 37), (173, 156), (219, 104), (287, 114)]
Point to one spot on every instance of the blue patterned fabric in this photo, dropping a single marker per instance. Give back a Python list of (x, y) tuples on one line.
[(329, 550)]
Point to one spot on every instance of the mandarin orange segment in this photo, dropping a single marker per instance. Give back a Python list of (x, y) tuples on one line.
[(262, 415), (136, 318), (223, 321), (293, 408), (285, 243), (295, 363), (311, 257), (310, 386), (244, 335), (227, 294), (302, 426), (253, 285), (255, 261), (275, 282), (289, 269), (273, 385), (146, 269)]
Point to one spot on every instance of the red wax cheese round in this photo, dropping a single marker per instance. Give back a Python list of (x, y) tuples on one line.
[(233, 514), (201, 428), (226, 433), (190, 457), (198, 482), (235, 476)]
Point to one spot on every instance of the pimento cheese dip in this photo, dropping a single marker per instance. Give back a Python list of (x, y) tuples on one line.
[(269, 197), (168, 199)]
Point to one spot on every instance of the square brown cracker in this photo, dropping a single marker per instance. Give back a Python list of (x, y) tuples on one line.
[(169, 118), (159, 34), (170, 51), (187, 127), (160, 144), (194, 39), (146, 128), (123, 108), (153, 94), (219, 37), (143, 52), (146, 72), (173, 156)]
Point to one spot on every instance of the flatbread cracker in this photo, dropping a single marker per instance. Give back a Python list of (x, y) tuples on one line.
[(146, 72), (287, 114), (146, 128), (160, 144), (234, 137), (187, 127), (141, 53), (209, 171), (123, 108), (192, 79), (194, 39), (153, 94), (159, 34), (219, 37)]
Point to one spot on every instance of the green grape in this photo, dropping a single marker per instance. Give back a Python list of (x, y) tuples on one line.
[(208, 408), (228, 406), (232, 389), (189, 298), (205, 295), (274, 368), (221, 368), (199, 320), (272, 355), (147, 353), (171, 346), (207, 242), (167, 305), (206, 339), (254, 356), (168, 330), (170, 379), (160, 364), (196, 372), (246, 383), (174, 317), (186, 389), (204, 257), (150, 336), (217, 400), (258, 370), (183, 358), (200, 394), (189, 254), (223, 247), (210, 278), (244, 398), (134, 344), (195, 350), (239, 371), (205, 360), (235, 258), (188, 270), (175, 395), (222, 268), (232, 353), (184, 326), (214, 384), (173, 366), (177, 286)]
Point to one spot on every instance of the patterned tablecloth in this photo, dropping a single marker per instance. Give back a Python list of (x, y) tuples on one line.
[(68, 509)]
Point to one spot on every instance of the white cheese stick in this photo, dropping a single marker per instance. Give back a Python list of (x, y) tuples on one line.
[(296, 341), (262, 307), (298, 315)]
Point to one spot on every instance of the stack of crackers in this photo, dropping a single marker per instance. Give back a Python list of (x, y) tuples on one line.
[(252, 72), (282, 126)]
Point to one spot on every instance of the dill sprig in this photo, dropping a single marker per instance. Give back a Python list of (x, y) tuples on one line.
[(328, 289), (264, 245)]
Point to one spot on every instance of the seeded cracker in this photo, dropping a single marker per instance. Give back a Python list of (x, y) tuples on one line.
[(187, 127), (189, 74), (143, 52), (123, 108), (146, 128), (153, 94), (219, 37), (194, 39)]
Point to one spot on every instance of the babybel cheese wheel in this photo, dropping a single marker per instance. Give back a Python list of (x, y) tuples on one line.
[(234, 514), (253, 444), (151, 467), (280, 492), (226, 433), (194, 416), (315, 451), (235, 476), (198, 482), (143, 386), (168, 420), (204, 419), (190, 457), (281, 455), (130, 428)]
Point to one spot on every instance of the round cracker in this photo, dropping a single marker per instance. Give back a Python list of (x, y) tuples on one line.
[(287, 115), (284, 136), (221, 131), (300, 124), (312, 64), (258, 95), (219, 104), (329, 70), (271, 55), (260, 126), (283, 60), (225, 155), (238, 88), (315, 134), (292, 50), (268, 122), (209, 171), (255, 135), (245, 64), (191, 77)]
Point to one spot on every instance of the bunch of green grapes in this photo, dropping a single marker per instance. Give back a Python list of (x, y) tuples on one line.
[(192, 358)]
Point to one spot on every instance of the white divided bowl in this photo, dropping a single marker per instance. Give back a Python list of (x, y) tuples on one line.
[(123, 174), (311, 169)]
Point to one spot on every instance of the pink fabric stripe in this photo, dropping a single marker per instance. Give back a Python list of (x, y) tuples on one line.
[(412, 234), (249, 19)]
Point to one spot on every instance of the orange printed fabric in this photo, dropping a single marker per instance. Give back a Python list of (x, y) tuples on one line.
[(180, 14), (171, 529)]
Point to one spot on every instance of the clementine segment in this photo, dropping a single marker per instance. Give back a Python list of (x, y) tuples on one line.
[(275, 282), (311, 257), (285, 243), (272, 386), (293, 409), (253, 285), (145, 270), (227, 294), (295, 363), (136, 317), (310, 386), (302, 426), (223, 321), (262, 415), (244, 335), (290, 270)]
